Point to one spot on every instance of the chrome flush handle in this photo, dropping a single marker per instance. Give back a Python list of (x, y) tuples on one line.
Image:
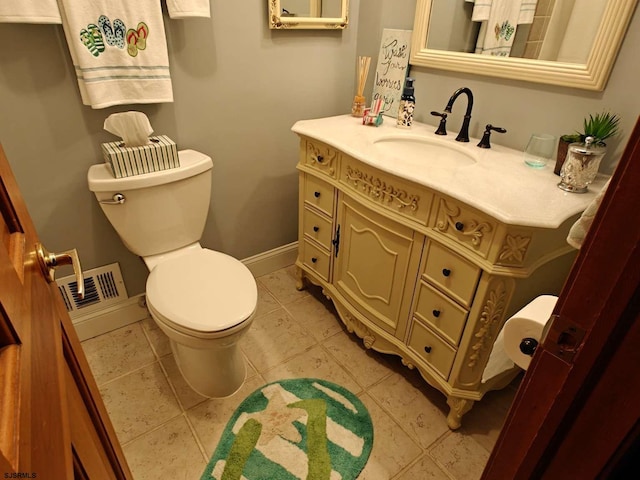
[(118, 199)]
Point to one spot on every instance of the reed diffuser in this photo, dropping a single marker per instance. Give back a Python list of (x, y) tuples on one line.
[(357, 109)]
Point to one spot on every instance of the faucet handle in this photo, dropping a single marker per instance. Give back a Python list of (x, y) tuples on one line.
[(442, 128), (485, 143)]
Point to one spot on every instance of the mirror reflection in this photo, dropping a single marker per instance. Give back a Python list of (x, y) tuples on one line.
[(554, 30), (318, 14), (572, 43), (311, 8)]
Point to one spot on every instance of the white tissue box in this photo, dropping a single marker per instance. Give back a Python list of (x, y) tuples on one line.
[(160, 154)]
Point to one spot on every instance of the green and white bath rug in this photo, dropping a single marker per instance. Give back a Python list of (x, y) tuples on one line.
[(297, 429)]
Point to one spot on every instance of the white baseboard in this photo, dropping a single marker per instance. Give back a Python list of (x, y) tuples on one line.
[(133, 310), (115, 316), (272, 260)]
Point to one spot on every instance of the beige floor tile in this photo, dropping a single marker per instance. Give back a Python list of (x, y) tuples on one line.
[(314, 363), (282, 285), (367, 366), (274, 338), (460, 455), (483, 423), (158, 339), (266, 302), (118, 352), (170, 451), (210, 418), (139, 402), (392, 449), (313, 315), (424, 469), (418, 408)]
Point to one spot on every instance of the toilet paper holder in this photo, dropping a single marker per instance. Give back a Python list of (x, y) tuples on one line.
[(528, 346)]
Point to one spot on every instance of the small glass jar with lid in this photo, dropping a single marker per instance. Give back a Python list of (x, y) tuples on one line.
[(581, 166)]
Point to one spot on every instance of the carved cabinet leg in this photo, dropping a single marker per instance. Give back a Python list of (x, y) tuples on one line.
[(459, 406), (300, 282)]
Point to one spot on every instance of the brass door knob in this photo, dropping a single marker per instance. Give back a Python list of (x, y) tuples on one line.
[(49, 261)]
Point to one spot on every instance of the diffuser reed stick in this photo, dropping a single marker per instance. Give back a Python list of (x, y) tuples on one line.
[(357, 108)]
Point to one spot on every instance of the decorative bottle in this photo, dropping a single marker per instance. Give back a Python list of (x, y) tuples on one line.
[(407, 104)]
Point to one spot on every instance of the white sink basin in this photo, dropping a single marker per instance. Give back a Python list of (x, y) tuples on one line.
[(416, 150)]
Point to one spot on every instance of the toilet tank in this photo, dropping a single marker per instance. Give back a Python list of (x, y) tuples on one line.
[(162, 211)]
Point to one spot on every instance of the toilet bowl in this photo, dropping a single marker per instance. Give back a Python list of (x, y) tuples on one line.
[(203, 300)]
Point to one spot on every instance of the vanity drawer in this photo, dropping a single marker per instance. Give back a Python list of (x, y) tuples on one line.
[(431, 349), (316, 259), (319, 194), (321, 157), (398, 196), (465, 225), (441, 313), (317, 227), (453, 274)]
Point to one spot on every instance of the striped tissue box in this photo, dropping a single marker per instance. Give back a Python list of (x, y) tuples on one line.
[(160, 154)]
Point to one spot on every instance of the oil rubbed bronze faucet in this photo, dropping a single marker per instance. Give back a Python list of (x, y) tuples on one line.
[(463, 136)]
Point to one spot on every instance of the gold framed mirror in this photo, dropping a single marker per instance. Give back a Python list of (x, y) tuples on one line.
[(308, 14), (589, 72)]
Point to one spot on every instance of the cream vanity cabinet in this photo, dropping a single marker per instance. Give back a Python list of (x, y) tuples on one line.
[(417, 273)]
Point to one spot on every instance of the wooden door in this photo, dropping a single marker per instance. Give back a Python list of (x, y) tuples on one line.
[(577, 411), (53, 423)]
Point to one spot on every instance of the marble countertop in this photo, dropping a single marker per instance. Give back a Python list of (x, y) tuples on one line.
[(496, 181)]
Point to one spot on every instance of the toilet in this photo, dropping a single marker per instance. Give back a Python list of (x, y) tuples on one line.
[(203, 300)]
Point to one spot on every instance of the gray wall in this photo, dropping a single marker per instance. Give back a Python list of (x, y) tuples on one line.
[(238, 88)]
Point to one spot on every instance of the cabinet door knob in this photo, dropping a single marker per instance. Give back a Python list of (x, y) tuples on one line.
[(427, 349), (316, 228), (436, 313), (446, 272), (459, 226), (314, 259), (320, 158), (316, 194)]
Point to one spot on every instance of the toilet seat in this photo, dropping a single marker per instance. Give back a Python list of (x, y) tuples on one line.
[(202, 292)]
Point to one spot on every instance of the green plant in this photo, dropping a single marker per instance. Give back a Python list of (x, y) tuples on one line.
[(599, 126)]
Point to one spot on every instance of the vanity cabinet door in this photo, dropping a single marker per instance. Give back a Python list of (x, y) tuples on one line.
[(376, 266)]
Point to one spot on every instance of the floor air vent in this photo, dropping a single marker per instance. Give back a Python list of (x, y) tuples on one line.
[(103, 287)]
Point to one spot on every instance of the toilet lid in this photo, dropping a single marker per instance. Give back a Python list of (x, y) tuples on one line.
[(203, 291)]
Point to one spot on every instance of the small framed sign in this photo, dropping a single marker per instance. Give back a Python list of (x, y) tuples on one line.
[(392, 69)]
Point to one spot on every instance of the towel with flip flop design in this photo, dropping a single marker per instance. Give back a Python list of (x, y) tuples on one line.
[(500, 19), (119, 48)]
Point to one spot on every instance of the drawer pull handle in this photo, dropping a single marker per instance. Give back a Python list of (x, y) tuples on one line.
[(319, 158), (459, 226), (436, 313), (314, 259), (316, 228), (427, 349), (316, 194), (446, 272)]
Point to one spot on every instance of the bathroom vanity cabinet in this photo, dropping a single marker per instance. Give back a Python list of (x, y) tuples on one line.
[(427, 260)]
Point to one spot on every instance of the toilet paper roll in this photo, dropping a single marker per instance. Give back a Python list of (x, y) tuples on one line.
[(528, 322)]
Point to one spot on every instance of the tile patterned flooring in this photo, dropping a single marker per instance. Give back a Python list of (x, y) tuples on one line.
[(169, 431)]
